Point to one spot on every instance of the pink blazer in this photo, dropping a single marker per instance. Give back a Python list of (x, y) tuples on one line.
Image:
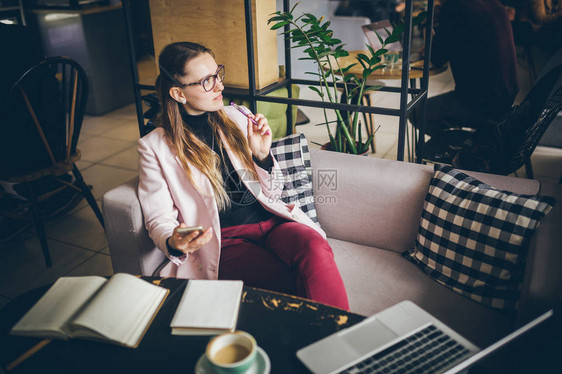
[(167, 198)]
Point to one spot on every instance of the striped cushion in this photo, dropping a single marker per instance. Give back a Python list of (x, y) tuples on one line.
[(474, 238)]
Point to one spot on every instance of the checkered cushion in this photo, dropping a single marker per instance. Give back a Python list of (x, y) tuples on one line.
[(291, 152), (474, 238)]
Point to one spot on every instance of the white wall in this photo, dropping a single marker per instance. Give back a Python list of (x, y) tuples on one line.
[(318, 8)]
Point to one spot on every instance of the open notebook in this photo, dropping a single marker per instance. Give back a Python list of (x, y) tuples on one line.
[(118, 310)]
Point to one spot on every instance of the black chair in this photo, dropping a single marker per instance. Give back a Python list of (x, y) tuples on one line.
[(524, 36), (47, 105), (503, 147)]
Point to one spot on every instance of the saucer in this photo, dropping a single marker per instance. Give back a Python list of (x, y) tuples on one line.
[(261, 364)]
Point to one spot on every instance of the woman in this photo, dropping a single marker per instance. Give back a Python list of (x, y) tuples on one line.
[(211, 166)]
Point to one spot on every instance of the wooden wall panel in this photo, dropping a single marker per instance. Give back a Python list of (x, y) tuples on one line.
[(220, 26)]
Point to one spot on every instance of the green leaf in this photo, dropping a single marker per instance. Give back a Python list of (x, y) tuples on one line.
[(392, 39), (276, 18), (325, 123), (363, 63), (311, 16), (362, 57), (399, 29), (359, 140), (380, 52), (419, 18), (369, 140), (279, 25), (346, 69), (315, 89), (325, 38), (366, 73), (294, 6), (298, 38), (374, 60), (340, 53), (380, 38), (298, 33)]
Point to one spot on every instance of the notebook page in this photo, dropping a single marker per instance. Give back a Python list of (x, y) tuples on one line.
[(50, 315), (120, 309)]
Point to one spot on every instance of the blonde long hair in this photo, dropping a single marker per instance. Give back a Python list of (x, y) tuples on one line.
[(189, 148)]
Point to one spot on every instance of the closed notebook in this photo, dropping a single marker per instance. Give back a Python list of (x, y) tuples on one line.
[(207, 307)]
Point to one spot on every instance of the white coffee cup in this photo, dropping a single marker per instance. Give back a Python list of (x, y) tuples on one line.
[(232, 352)]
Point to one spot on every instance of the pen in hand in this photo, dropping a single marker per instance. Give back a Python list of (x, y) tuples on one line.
[(246, 114)]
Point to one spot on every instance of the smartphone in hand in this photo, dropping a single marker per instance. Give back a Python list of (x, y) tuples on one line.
[(188, 230)]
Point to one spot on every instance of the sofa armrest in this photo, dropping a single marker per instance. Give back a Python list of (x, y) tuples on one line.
[(131, 249), (543, 279)]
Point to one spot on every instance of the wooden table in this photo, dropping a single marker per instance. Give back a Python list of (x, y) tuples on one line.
[(281, 324), (416, 68)]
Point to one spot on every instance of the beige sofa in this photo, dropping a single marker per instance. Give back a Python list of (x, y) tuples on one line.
[(370, 209)]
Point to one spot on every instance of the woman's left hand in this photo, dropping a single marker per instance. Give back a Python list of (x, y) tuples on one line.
[(259, 136)]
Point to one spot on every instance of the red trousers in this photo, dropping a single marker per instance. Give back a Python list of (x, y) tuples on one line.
[(282, 256)]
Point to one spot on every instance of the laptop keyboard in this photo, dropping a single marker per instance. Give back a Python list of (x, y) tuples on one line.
[(426, 351)]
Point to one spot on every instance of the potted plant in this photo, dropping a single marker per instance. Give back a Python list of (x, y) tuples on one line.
[(311, 33)]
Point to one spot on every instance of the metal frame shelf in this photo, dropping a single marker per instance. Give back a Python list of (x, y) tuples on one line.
[(418, 95)]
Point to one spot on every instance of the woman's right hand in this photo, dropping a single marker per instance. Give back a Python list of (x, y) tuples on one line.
[(190, 242)]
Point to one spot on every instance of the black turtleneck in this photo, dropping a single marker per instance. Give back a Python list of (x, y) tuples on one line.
[(244, 208)]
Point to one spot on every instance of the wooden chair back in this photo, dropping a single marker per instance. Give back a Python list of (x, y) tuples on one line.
[(48, 102)]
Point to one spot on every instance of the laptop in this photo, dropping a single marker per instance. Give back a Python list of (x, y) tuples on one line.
[(384, 29), (401, 339)]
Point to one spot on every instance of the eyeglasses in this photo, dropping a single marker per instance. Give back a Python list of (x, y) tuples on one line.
[(208, 83)]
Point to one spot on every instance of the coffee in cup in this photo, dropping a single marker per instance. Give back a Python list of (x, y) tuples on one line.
[(232, 352)]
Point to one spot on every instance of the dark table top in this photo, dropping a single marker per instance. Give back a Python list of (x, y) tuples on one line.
[(281, 324)]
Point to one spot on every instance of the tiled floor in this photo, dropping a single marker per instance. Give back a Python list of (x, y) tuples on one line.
[(108, 144)]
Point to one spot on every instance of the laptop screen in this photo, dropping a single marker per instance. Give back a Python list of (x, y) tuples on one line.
[(497, 345)]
